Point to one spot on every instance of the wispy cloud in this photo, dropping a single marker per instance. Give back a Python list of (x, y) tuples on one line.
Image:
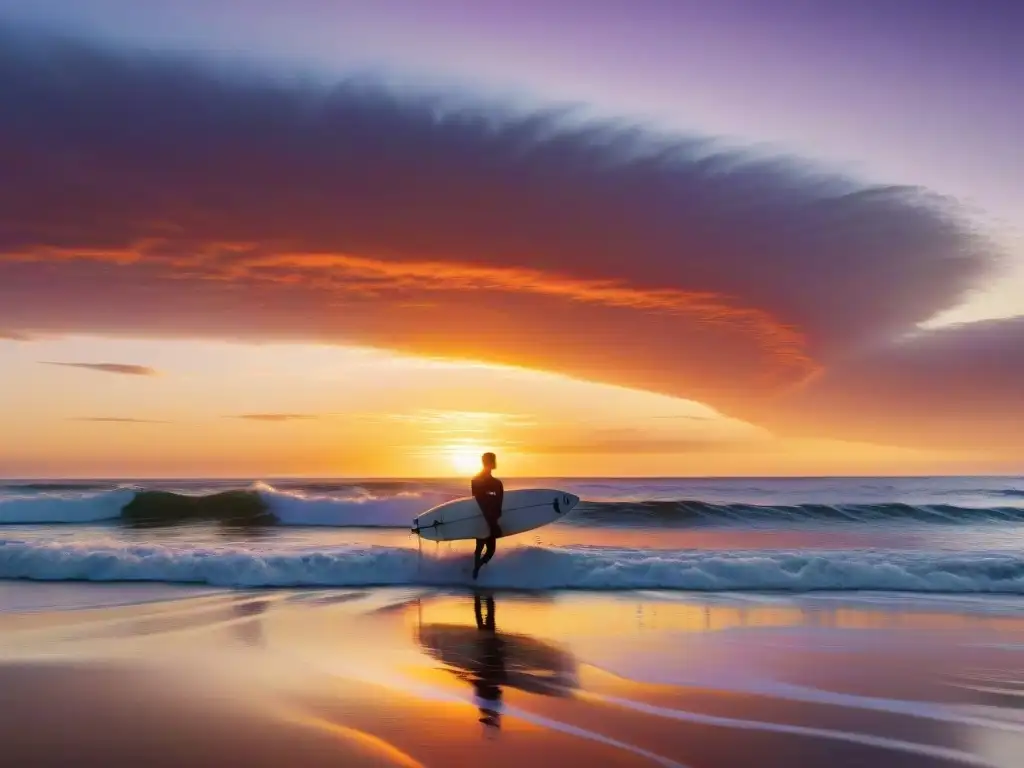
[(275, 416), (639, 441), (642, 446), (442, 418), (118, 420), (14, 336), (120, 368)]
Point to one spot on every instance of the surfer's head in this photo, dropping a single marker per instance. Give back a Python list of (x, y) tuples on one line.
[(490, 461)]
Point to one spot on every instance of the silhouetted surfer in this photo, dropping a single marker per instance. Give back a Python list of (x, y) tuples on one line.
[(488, 492)]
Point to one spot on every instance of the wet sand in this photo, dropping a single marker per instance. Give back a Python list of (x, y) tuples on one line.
[(407, 677)]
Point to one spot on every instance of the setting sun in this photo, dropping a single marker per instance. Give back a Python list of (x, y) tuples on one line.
[(465, 459)]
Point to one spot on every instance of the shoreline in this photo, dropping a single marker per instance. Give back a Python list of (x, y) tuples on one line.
[(414, 676)]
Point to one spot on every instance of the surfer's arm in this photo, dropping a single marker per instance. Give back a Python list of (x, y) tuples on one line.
[(489, 495), (481, 495), (493, 512)]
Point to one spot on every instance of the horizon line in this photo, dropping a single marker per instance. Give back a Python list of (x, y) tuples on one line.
[(4, 479)]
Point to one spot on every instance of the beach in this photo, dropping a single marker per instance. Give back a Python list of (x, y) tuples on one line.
[(112, 675)]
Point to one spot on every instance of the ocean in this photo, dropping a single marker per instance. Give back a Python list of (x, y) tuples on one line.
[(962, 535)]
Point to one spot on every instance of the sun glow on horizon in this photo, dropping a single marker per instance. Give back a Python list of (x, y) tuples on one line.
[(329, 411), (465, 459)]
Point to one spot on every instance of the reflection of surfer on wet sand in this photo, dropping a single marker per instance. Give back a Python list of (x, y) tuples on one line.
[(490, 667), (492, 661)]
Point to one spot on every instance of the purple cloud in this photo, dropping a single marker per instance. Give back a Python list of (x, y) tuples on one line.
[(154, 195)]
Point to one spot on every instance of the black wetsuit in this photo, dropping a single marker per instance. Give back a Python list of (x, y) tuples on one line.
[(488, 492)]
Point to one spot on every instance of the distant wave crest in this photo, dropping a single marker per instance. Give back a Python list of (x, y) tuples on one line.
[(1013, 493), (689, 513), (350, 505)]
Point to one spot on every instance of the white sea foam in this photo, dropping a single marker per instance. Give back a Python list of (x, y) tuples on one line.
[(39, 508), (526, 567), (361, 509), (349, 509)]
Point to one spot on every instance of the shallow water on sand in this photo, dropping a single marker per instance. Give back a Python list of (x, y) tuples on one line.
[(424, 676)]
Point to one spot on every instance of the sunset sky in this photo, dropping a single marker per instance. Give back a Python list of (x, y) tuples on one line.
[(644, 237)]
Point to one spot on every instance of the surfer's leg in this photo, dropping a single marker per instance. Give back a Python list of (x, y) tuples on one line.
[(477, 562), (491, 543)]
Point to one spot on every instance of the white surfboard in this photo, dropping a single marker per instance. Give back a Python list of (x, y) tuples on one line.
[(521, 510)]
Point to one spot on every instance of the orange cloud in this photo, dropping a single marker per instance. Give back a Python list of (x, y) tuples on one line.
[(783, 342), (371, 277), (49, 253), (14, 336)]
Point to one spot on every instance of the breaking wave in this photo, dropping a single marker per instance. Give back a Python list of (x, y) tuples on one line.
[(40, 508), (688, 513), (259, 505), (518, 568)]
